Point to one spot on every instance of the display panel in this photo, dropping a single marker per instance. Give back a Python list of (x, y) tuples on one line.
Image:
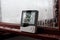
[(29, 17)]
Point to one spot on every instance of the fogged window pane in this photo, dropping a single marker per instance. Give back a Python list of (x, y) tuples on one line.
[(48, 14), (0, 12), (12, 9)]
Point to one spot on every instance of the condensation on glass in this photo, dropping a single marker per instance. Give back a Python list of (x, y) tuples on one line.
[(48, 15), (0, 12), (48, 10)]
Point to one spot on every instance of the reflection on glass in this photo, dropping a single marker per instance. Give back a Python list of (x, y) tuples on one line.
[(47, 23)]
